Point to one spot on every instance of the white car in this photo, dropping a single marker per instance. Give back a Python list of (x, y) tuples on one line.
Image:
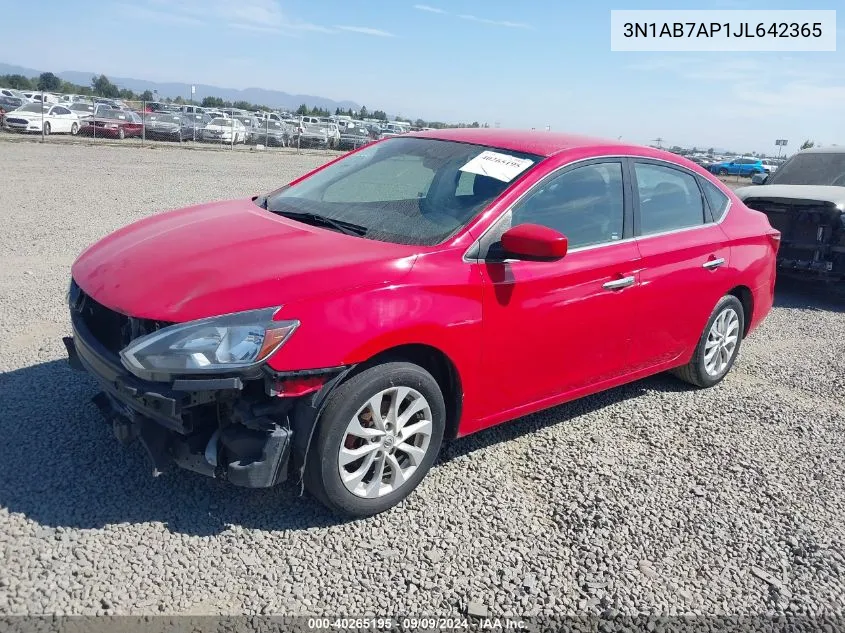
[(54, 118), (770, 165), (220, 130), (12, 92)]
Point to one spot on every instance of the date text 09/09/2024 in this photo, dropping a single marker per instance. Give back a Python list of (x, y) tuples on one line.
[(723, 29)]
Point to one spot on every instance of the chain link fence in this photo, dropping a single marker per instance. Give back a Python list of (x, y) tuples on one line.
[(148, 123)]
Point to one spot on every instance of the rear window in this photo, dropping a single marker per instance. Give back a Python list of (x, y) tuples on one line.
[(821, 168)]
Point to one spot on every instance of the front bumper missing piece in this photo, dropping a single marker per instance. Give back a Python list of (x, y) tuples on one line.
[(250, 445)]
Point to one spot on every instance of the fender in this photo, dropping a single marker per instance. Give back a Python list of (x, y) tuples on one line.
[(303, 420)]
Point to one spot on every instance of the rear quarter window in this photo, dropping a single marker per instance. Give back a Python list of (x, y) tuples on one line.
[(717, 199)]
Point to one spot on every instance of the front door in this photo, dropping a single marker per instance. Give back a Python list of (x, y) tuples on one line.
[(552, 327)]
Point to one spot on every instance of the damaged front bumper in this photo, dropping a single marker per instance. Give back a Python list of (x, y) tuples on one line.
[(233, 428)]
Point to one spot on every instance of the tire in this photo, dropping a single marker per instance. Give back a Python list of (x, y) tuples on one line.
[(346, 408), (698, 372), (723, 172), (74, 129), (46, 129), (121, 134)]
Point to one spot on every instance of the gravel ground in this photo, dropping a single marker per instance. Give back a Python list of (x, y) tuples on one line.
[(651, 498)]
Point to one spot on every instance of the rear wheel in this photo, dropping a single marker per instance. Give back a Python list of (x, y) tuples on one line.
[(376, 439), (74, 129), (46, 129), (718, 346), (723, 171)]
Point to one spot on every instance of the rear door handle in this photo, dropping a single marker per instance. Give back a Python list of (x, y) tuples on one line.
[(618, 284), (713, 263)]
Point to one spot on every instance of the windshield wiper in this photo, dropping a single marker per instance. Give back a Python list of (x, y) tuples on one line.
[(316, 219)]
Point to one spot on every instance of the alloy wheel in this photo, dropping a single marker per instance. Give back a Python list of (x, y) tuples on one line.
[(385, 442), (721, 342)]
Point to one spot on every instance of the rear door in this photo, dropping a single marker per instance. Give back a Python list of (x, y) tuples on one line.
[(685, 257)]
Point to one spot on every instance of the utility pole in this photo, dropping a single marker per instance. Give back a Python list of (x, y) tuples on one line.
[(659, 142)]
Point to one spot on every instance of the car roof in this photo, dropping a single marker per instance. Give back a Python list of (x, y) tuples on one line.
[(831, 149), (543, 143)]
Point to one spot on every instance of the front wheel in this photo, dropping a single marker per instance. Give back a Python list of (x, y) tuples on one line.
[(718, 346), (121, 134), (46, 129), (376, 439), (723, 172)]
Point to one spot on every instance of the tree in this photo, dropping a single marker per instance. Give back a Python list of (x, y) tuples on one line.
[(48, 82), (104, 88), (212, 102), (303, 109), (18, 82), (711, 151), (147, 95), (807, 144), (363, 112)]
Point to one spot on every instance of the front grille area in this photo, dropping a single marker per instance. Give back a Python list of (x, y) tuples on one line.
[(17, 121), (113, 330)]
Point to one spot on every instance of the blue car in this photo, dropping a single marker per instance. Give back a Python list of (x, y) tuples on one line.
[(739, 166)]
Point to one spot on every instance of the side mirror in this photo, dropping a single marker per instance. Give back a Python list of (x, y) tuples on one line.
[(533, 241), (759, 179)]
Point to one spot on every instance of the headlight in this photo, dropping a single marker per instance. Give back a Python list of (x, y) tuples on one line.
[(216, 344)]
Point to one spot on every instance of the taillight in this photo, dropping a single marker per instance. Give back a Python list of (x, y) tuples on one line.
[(774, 238)]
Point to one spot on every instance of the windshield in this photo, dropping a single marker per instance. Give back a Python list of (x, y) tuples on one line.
[(405, 190), (220, 121), (34, 107), (817, 168), (111, 114), (82, 107)]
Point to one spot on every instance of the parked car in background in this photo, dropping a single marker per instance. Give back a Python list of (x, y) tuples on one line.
[(805, 200), (738, 166), (251, 125), (43, 97), (228, 339), (354, 135), (312, 135), (13, 92), (220, 130), (42, 117), (168, 126), (113, 123), (156, 106), (86, 109), (217, 114), (771, 164), (274, 134), (387, 130)]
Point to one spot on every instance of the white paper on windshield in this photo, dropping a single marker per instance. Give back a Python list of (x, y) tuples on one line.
[(499, 166)]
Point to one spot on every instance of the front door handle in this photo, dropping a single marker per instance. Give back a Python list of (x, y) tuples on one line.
[(618, 284), (710, 264)]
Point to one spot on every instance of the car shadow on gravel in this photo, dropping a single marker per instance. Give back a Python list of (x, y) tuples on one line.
[(564, 413), (62, 467), (809, 294)]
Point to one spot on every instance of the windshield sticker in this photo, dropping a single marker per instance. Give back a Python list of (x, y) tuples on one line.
[(499, 166)]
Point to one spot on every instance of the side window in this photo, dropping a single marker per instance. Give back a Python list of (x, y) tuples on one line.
[(669, 199), (586, 204), (716, 198)]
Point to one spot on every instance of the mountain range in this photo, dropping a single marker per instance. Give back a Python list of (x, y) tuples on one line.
[(260, 96)]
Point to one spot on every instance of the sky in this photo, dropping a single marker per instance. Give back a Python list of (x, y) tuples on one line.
[(526, 64)]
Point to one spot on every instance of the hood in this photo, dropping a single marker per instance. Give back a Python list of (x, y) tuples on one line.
[(226, 257), (795, 193)]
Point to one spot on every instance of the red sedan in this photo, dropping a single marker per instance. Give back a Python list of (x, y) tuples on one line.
[(423, 287), (113, 124)]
